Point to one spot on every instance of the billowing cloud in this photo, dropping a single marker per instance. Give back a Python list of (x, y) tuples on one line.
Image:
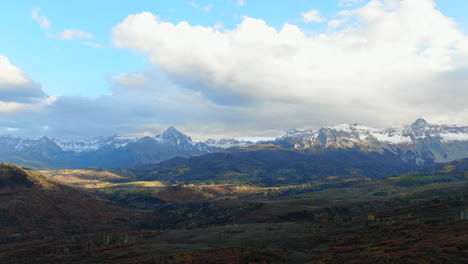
[(312, 15), (16, 87), (389, 64), (14, 107), (385, 63)]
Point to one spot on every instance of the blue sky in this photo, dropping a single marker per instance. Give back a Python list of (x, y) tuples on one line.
[(86, 68), (85, 65)]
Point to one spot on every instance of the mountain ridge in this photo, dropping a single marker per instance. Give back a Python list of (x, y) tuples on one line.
[(419, 142), (113, 151)]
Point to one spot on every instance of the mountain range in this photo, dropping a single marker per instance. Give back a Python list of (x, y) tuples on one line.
[(417, 143), (111, 151)]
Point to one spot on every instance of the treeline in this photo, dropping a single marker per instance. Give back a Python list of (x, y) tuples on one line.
[(77, 244), (195, 214)]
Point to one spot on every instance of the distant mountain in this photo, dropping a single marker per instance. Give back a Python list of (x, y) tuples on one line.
[(94, 144), (111, 151), (271, 165), (228, 143), (171, 143), (419, 142)]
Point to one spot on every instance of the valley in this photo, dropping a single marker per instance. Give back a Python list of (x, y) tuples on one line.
[(415, 144), (417, 216), (234, 132), (296, 199)]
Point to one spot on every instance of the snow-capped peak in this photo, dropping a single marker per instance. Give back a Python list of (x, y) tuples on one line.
[(407, 134), (228, 143), (93, 144), (305, 134), (420, 123), (171, 132), (174, 136)]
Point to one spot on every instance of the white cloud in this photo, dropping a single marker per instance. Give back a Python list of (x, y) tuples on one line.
[(42, 20), (18, 93), (193, 4), (68, 34), (334, 23), (73, 33), (240, 2), (11, 75), (15, 107), (312, 15), (388, 68), (15, 86), (50, 100), (388, 62)]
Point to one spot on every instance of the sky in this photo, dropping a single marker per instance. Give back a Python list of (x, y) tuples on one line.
[(229, 68)]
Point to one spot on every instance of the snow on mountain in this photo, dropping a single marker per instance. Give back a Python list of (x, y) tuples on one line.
[(174, 137), (170, 137), (420, 129), (419, 140), (93, 144), (407, 134), (10, 143), (305, 134), (228, 143), (449, 136)]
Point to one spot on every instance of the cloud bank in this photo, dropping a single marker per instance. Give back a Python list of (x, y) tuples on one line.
[(16, 89), (391, 61), (385, 63)]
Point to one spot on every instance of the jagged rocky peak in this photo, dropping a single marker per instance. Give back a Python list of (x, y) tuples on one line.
[(420, 126), (172, 132), (354, 135), (421, 129), (84, 145), (420, 123), (146, 139), (211, 141), (304, 134), (44, 139), (174, 136)]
